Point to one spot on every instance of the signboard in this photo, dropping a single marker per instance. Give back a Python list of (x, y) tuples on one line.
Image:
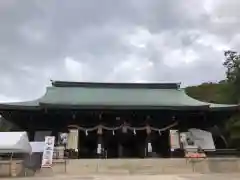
[(63, 139), (174, 139), (48, 152)]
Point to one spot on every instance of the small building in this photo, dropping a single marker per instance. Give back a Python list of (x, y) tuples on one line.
[(123, 119)]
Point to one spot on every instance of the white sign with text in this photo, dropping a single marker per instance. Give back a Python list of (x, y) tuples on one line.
[(48, 152)]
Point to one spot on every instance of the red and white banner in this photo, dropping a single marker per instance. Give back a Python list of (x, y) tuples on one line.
[(48, 151)]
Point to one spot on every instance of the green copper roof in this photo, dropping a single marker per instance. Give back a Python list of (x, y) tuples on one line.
[(21, 105), (115, 95)]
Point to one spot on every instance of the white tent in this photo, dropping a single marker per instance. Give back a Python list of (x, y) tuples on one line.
[(37, 146), (203, 139), (14, 142)]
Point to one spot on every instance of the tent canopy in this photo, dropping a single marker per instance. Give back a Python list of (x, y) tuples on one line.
[(203, 139), (37, 146), (14, 142)]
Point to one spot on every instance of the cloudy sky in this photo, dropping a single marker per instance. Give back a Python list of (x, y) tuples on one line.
[(113, 40)]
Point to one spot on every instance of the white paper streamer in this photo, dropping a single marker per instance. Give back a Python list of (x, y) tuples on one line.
[(99, 148), (149, 147)]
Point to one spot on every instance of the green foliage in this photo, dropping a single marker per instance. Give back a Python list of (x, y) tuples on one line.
[(219, 93), (232, 64), (211, 92), (233, 129), (5, 125), (224, 92)]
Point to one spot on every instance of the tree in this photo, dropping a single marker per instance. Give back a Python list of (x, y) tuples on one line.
[(224, 92), (232, 64), (211, 92)]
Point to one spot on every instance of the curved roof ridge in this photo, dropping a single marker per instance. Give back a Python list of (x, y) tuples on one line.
[(190, 99), (116, 85), (28, 104), (33, 104), (214, 105)]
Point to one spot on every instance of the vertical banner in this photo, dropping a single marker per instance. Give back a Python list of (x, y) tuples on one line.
[(174, 139), (149, 147), (48, 151), (99, 148), (72, 142)]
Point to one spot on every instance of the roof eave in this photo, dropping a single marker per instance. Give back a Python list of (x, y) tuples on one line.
[(116, 85), (27, 105), (122, 107), (225, 108)]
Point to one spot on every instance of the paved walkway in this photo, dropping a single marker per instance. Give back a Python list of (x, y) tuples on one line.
[(143, 177)]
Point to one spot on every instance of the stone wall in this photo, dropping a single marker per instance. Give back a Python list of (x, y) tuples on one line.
[(11, 168), (146, 166)]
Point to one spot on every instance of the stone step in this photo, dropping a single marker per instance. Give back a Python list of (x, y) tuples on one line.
[(146, 166), (130, 166)]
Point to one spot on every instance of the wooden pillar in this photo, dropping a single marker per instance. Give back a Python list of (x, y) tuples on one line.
[(31, 129), (100, 151), (31, 134), (121, 149), (55, 134), (148, 146)]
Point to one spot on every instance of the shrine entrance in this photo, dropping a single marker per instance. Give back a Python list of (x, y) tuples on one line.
[(124, 145), (124, 141), (111, 144), (128, 146), (161, 144), (87, 145)]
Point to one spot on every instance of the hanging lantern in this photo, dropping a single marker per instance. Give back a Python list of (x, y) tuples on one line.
[(113, 132), (134, 132), (99, 132), (148, 129), (86, 132)]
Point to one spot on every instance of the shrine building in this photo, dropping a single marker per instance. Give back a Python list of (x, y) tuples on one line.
[(125, 120)]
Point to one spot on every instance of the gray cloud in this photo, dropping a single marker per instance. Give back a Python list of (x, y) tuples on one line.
[(127, 40)]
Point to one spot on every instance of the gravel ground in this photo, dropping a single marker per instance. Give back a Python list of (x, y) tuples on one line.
[(142, 177)]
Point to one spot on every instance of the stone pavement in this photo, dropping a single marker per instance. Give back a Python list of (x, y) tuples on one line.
[(141, 177)]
